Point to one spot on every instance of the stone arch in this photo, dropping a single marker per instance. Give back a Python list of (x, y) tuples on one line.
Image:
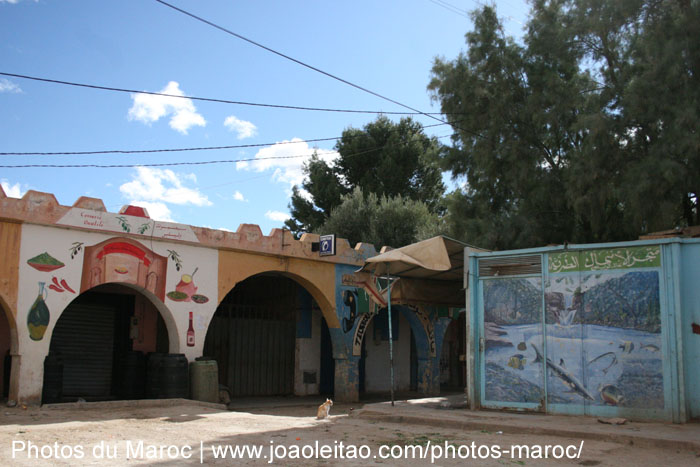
[(122, 302), (316, 277), (163, 310), (327, 310), (410, 314)]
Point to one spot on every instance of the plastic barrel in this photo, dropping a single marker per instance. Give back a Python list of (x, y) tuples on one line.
[(53, 379), (204, 380), (174, 377), (153, 370), (133, 385)]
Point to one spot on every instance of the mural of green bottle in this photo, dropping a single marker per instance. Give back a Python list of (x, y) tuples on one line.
[(38, 317)]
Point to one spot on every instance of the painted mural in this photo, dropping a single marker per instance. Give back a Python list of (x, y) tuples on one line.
[(602, 322), (604, 329), (512, 340)]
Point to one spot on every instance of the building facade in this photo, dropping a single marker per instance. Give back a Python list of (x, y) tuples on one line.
[(94, 287)]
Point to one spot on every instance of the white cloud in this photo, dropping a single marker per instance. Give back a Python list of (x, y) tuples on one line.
[(277, 216), (164, 185), (242, 128), (8, 86), (148, 108), (238, 196), (157, 211), (289, 159), (13, 191)]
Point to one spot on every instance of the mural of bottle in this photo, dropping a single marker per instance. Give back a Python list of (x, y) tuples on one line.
[(190, 333), (38, 316)]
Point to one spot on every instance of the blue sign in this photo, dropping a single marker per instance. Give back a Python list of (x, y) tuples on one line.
[(327, 245)]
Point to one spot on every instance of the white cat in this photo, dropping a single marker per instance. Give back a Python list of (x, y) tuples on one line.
[(324, 409)]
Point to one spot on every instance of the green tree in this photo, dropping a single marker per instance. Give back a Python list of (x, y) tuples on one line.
[(384, 158), (383, 221), (585, 132)]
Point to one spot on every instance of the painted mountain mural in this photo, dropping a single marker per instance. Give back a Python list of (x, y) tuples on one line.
[(603, 344)]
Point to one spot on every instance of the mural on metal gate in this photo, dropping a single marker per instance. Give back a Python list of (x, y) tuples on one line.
[(512, 330), (603, 328)]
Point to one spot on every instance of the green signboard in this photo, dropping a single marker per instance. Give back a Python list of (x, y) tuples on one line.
[(612, 258)]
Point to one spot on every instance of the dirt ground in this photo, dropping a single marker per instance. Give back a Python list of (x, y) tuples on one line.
[(162, 435)]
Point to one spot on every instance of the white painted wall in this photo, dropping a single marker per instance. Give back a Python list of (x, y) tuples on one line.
[(377, 369), (57, 242), (308, 358)]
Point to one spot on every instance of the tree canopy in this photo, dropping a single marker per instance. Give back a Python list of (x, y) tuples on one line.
[(387, 161), (381, 220), (587, 131)]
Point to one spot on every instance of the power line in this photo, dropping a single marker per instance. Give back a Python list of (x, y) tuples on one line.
[(169, 164), (298, 62), (150, 151), (209, 99)]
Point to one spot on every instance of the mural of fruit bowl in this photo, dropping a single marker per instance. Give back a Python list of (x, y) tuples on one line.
[(121, 270)]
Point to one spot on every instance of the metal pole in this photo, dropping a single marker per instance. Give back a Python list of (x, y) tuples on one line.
[(391, 342)]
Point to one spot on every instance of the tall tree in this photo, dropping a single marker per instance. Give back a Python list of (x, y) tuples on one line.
[(384, 158), (586, 132)]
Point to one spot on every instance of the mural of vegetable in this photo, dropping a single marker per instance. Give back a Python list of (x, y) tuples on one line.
[(45, 263), (60, 287), (38, 316)]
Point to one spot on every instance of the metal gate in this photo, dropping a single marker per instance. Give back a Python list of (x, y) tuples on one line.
[(84, 337), (252, 337)]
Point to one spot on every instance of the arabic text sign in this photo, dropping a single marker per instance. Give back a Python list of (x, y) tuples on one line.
[(612, 258)]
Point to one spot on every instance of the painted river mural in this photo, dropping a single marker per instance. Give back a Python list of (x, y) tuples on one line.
[(602, 322)]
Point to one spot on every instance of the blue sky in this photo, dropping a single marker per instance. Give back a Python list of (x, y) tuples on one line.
[(385, 46)]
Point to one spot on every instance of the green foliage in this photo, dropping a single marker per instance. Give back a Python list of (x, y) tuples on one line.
[(382, 221), (384, 158), (585, 132)]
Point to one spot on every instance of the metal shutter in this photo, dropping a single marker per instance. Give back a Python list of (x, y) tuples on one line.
[(84, 336)]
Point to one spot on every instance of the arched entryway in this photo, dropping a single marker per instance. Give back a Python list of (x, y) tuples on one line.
[(99, 339), (453, 370), (267, 336), (374, 363), (7, 337)]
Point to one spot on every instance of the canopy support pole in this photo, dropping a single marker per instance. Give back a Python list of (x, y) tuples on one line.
[(391, 339)]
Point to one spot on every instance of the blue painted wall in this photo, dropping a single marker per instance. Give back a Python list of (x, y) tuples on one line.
[(690, 313), (604, 330)]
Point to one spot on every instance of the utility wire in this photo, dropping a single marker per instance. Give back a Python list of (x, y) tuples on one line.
[(168, 164), (150, 151), (209, 99), (298, 62)]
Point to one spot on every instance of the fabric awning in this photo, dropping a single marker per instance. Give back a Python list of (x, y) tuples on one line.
[(432, 271)]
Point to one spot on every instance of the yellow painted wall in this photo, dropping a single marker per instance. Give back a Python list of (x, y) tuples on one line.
[(10, 238), (316, 277)]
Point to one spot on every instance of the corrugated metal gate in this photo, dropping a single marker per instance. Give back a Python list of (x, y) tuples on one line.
[(252, 337), (84, 337)]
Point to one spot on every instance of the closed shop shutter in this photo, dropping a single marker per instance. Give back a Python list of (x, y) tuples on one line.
[(84, 337)]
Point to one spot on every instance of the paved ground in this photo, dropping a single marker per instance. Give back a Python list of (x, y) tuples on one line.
[(52, 435)]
